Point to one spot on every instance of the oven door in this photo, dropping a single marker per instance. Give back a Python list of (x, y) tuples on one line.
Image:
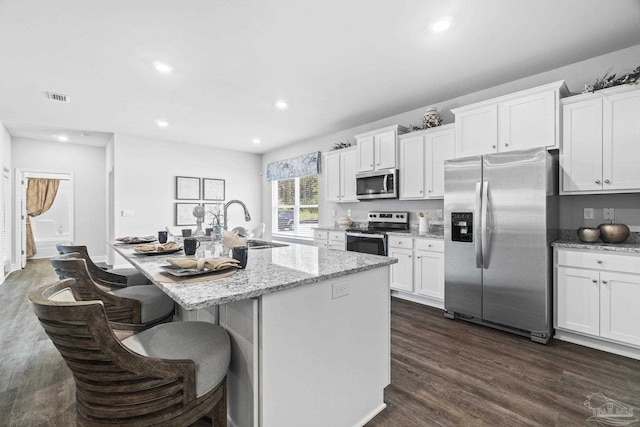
[(367, 243)]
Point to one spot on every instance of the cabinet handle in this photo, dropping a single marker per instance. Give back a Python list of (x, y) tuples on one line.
[(399, 243), (429, 191), (606, 181), (605, 282), (598, 181), (506, 145), (420, 191), (599, 261), (409, 256), (338, 196), (428, 246), (378, 164), (594, 280), (418, 257), (493, 146), (371, 165)]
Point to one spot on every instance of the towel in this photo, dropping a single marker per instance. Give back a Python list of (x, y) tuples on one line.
[(157, 247), (213, 264)]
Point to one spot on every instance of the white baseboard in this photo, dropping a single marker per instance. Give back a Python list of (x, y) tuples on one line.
[(598, 344), (431, 302)]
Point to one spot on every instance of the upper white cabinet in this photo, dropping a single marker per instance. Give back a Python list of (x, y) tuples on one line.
[(517, 121), (601, 142), (340, 170), (378, 149), (422, 156)]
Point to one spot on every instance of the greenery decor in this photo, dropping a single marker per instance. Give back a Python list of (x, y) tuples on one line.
[(611, 80), (340, 145)]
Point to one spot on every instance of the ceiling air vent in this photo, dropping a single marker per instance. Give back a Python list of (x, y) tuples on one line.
[(58, 97)]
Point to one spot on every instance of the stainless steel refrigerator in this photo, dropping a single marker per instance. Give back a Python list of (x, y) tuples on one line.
[(501, 215)]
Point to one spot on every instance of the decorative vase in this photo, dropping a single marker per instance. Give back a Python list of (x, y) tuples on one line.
[(431, 118)]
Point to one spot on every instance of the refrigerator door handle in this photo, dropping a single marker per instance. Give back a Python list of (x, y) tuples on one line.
[(477, 226), (485, 225)]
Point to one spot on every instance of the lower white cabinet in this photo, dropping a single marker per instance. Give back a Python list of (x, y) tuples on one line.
[(597, 294), (330, 239), (419, 274)]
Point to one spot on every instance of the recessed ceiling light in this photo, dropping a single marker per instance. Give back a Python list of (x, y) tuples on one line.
[(162, 67), (162, 123), (62, 138), (281, 104), (440, 25), (256, 141)]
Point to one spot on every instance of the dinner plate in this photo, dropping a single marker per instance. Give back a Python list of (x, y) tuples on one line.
[(189, 272), (160, 252), (138, 241)]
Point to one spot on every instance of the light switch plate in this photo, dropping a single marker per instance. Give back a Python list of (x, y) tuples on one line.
[(588, 213), (608, 214), (127, 212)]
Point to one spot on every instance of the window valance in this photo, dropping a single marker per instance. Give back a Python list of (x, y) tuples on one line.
[(306, 164)]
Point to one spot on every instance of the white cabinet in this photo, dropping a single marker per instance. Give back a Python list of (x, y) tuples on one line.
[(601, 142), (337, 240), (321, 238), (422, 156), (377, 149), (429, 268), (597, 294), (419, 274), (340, 170), (518, 121)]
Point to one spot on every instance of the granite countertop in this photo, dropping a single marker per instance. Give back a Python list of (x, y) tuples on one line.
[(569, 239), (267, 271)]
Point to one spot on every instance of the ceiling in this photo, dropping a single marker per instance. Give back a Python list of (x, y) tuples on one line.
[(337, 63)]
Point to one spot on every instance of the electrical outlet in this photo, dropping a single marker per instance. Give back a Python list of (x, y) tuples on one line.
[(349, 212), (439, 213), (608, 213), (588, 213), (333, 213), (127, 212), (340, 289)]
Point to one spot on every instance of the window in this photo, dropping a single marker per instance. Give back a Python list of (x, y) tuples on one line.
[(295, 206)]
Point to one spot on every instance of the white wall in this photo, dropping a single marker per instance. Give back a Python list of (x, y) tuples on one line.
[(5, 162), (87, 164), (145, 171), (575, 75)]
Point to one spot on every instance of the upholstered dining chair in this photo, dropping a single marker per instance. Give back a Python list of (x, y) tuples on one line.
[(173, 374), (144, 305), (123, 276)]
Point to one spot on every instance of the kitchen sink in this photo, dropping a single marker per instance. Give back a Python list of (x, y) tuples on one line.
[(261, 244)]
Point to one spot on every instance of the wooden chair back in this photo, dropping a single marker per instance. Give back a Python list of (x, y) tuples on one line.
[(118, 309), (100, 275), (115, 386)]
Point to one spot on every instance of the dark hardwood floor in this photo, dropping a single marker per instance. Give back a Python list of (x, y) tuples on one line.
[(443, 372)]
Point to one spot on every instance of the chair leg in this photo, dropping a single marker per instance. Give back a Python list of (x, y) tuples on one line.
[(219, 413)]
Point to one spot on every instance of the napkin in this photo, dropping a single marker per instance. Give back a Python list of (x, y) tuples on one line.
[(157, 247), (231, 239), (202, 263)]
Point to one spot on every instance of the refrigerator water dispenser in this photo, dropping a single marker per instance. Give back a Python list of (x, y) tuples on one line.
[(462, 227)]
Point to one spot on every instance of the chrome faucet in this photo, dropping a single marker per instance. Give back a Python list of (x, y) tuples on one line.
[(247, 217)]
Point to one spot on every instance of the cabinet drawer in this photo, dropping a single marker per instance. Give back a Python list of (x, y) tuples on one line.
[(320, 235), (401, 242), (337, 236), (337, 246), (434, 245), (600, 261), (321, 244)]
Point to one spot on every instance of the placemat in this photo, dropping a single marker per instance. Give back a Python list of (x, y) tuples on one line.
[(168, 278)]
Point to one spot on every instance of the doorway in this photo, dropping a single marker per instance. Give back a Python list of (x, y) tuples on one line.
[(56, 225)]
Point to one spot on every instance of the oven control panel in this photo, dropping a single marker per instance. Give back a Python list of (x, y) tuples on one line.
[(389, 217)]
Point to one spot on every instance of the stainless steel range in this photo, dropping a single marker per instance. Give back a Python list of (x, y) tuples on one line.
[(373, 239)]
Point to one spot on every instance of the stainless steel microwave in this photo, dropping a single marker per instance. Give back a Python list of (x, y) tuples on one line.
[(380, 184)]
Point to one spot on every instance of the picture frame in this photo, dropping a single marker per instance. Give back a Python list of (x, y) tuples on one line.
[(184, 213), (187, 188), (212, 189)]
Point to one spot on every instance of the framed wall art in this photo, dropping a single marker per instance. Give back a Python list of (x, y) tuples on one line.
[(184, 213), (187, 188), (212, 189)]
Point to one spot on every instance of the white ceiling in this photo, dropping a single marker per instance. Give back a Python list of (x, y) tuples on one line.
[(338, 63)]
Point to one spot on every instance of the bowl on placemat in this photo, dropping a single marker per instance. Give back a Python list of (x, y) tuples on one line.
[(588, 235), (613, 233)]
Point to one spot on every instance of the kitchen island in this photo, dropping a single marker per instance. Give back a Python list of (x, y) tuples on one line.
[(309, 329)]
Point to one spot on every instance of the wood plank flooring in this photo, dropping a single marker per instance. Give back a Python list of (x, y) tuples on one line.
[(443, 372)]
